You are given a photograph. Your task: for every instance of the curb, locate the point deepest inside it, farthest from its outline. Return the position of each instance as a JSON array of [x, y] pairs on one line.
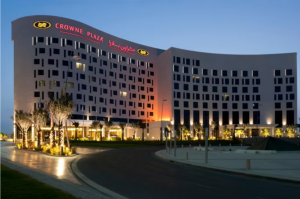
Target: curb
[[91, 183], [157, 153]]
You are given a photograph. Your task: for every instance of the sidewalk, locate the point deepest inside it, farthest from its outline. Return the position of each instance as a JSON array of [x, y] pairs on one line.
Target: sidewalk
[[54, 171], [281, 166]]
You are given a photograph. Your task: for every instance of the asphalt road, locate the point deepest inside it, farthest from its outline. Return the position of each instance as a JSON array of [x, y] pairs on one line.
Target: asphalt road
[[138, 173]]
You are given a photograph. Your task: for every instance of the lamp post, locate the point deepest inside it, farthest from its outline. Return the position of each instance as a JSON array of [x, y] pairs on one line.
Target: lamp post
[[162, 108]]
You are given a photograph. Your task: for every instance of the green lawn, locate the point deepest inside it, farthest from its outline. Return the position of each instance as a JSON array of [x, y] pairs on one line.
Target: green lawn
[[17, 185]]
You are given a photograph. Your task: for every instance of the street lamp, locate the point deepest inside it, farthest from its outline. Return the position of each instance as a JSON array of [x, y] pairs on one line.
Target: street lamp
[[162, 108]]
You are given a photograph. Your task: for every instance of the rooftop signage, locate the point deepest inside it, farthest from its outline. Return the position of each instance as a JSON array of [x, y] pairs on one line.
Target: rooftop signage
[[124, 49], [79, 32], [143, 52], [42, 24]]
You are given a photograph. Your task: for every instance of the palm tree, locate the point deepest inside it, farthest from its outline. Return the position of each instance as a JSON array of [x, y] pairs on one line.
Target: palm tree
[[170, 126], [122, 126], [278, 132], [61, 110], [76, 125], [135, 127], [186, 133], [245, 128], [39, 119], [266, 132], [23, 121], [290, 130], [198, 129], [108, 125], [181, 128], [226, 131]]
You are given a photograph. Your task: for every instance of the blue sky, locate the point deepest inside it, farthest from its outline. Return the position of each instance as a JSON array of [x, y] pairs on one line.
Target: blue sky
[[223, 26]]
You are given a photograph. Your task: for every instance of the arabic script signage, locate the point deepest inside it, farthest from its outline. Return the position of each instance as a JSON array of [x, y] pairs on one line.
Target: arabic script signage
[[124, 49], [42, 24]]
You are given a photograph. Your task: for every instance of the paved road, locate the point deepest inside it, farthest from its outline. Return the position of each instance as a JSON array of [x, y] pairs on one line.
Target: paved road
[[138, 173]]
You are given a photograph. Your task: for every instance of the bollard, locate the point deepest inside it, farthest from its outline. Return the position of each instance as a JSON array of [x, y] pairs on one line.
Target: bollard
[[219, 144], [190, 145], [247, 164], [182, 146], [187, 155]]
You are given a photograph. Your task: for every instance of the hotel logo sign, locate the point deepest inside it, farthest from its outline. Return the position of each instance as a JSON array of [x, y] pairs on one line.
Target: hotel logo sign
[[143, 52], [42, 24]]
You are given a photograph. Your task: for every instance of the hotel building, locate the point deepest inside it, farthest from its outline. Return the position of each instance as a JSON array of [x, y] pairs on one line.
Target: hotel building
[[123, 81]]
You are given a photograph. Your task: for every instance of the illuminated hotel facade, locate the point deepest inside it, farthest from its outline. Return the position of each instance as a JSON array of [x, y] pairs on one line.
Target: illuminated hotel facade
[[122, 81]]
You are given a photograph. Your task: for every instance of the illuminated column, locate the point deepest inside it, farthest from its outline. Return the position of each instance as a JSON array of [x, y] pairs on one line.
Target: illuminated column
[[125, 133], [272, 132], [32, 133], [15, 133], [103, 131], [191, 130]]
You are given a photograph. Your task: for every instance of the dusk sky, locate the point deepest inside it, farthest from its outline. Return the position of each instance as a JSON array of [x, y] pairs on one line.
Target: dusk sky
[[224, 26]]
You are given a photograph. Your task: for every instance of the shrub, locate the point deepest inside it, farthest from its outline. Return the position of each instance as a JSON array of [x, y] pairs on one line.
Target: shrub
[[116, 139], [19, 145]]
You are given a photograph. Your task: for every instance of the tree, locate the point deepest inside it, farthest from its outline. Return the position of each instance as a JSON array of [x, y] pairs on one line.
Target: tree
[[181, 128], [186, 134], [266, 132], [40, 117], [278, 132], [76, 125], [108, 125], [23, 121], [198, 129], [245, 128], [169, 127], [61, 110], [135, 127], [239, 132], [122, 126], [226, 131], [290, 130], [95, 124]]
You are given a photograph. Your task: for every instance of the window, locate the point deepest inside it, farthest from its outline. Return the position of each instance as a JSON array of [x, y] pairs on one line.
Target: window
[[255, 89], [78, 96], [245, 73], [113, 56], [204, 72], [224, 106], [65, 63], [176, 86], [234, 89], [42, 50], [185, 104], [255, 105], [103, 109], [125, 68], [292, 96], [151, 73], [40, 39], [277, 72], [133, 95], [245, 89], [103, 52], [104, 63], [185, 87], [289, 105], [289, 88], [234, 106], [245, 106], [195, 104], [224, 73], [94, 59], [176, 103], [55, 40], [133, 70], [205, 105], [195, 87], [40, 72], [197, 62], [224, 89], [36, 94], [69, 42], [195, 71], [215, 89], [289, 72], [91, 68], [56, 84], [111, 74], [105, 91], [277, 105], [148, 105], [205, 89], [41, 83], [234, 73], [214, 72], [55, 72], [277, 89], [36, 61], [215, 105], [56, 51], [51, 61], [82, 45], [255, 73], [82, 76]]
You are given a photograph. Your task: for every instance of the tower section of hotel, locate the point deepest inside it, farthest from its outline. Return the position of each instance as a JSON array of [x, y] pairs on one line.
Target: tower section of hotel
[[231, 90], [114, 79]]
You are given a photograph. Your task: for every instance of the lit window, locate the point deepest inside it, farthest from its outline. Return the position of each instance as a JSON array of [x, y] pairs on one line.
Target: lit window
[[42, 83], [123, 94]]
